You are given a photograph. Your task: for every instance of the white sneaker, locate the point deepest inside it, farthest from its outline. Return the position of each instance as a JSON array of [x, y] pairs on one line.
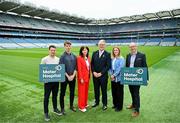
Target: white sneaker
[[87, 106], [83, 110]]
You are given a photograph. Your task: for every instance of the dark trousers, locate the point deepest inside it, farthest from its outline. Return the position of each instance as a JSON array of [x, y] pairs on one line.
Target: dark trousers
[[117, 94], [100, 82], [48, 87], [134, 90], [63, 91]]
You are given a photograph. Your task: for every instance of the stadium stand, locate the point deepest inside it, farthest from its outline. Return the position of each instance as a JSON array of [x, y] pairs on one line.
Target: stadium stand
[[7, 43], [168, 42], [25, 26], [153, 42]]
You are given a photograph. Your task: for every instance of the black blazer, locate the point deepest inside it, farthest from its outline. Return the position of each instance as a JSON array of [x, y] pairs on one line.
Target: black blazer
[[101, 64], [140, 61]]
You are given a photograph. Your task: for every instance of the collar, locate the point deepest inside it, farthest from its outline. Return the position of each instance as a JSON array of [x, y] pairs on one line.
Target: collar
[[51, 56], [134, 53], [67, 53], [101, 51]]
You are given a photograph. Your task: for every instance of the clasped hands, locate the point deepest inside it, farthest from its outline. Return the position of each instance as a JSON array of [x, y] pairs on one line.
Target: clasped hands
[[97, 74], [112, 78], [70, 77]]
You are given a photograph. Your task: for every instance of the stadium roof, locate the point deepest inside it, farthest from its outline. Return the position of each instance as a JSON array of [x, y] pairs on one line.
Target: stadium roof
[[30, 10]]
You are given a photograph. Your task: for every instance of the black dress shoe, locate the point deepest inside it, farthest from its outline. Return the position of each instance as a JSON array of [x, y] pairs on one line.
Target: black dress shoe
[[94, 105], [104, 107], [113, 107], [63, 112], [117, 110], [73, 109]]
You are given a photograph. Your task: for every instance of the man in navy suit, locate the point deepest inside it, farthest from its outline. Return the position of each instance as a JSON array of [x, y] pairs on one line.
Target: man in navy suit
[[100, 63], [135, 59]]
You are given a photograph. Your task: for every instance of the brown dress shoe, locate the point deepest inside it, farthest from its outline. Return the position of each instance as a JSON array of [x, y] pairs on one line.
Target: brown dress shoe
[[135, 114], [130, 107]]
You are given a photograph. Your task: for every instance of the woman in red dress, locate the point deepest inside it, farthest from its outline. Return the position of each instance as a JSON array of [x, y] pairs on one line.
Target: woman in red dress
[[83, 76]]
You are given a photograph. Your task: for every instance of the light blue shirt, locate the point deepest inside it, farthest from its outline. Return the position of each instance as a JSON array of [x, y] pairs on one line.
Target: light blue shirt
[[132, 60], [113, 63]]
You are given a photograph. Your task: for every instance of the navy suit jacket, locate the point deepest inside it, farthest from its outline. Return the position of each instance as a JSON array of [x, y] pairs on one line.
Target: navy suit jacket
[[101, 64]]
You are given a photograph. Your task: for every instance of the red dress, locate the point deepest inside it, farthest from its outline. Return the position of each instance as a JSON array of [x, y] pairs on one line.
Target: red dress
[[83, 72]]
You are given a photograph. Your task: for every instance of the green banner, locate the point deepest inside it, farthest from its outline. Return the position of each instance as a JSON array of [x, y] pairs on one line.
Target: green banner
[[134, 76], [51, 73]]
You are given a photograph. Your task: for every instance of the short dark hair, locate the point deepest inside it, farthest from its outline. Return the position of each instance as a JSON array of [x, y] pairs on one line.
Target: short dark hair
[[52, 46], [67, 42], [81, 49]]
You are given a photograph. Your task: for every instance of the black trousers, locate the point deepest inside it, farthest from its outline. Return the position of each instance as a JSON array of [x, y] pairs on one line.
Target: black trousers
[[100, 82], [63, 91], [117, 94], [134, 90], [48, 88]]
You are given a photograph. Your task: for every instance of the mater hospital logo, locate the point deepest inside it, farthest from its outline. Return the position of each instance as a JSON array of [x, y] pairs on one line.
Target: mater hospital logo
[[58, 67], [140, 71]]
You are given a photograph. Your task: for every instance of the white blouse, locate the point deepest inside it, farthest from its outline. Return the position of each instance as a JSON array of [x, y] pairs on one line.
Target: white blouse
[[87, 63]]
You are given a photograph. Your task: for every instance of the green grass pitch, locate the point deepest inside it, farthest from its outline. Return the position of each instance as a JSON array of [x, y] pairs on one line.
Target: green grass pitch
[[21, 95]]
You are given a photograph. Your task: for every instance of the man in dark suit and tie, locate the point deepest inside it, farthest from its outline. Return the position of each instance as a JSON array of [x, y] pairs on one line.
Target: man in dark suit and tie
[[100, 64], [135, 59]]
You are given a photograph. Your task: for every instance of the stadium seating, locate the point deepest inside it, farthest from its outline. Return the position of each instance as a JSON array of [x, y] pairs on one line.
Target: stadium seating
[[178, 44], [17, 21], [168, 42], [6, 43], [153, 42], [26, 32]]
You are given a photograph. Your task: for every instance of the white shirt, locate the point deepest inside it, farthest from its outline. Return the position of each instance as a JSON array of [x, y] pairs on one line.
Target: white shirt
[[50, 60], [100, 53], [87, 63]]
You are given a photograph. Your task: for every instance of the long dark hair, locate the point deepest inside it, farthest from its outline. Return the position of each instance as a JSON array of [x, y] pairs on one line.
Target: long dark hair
[[81, 49]]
